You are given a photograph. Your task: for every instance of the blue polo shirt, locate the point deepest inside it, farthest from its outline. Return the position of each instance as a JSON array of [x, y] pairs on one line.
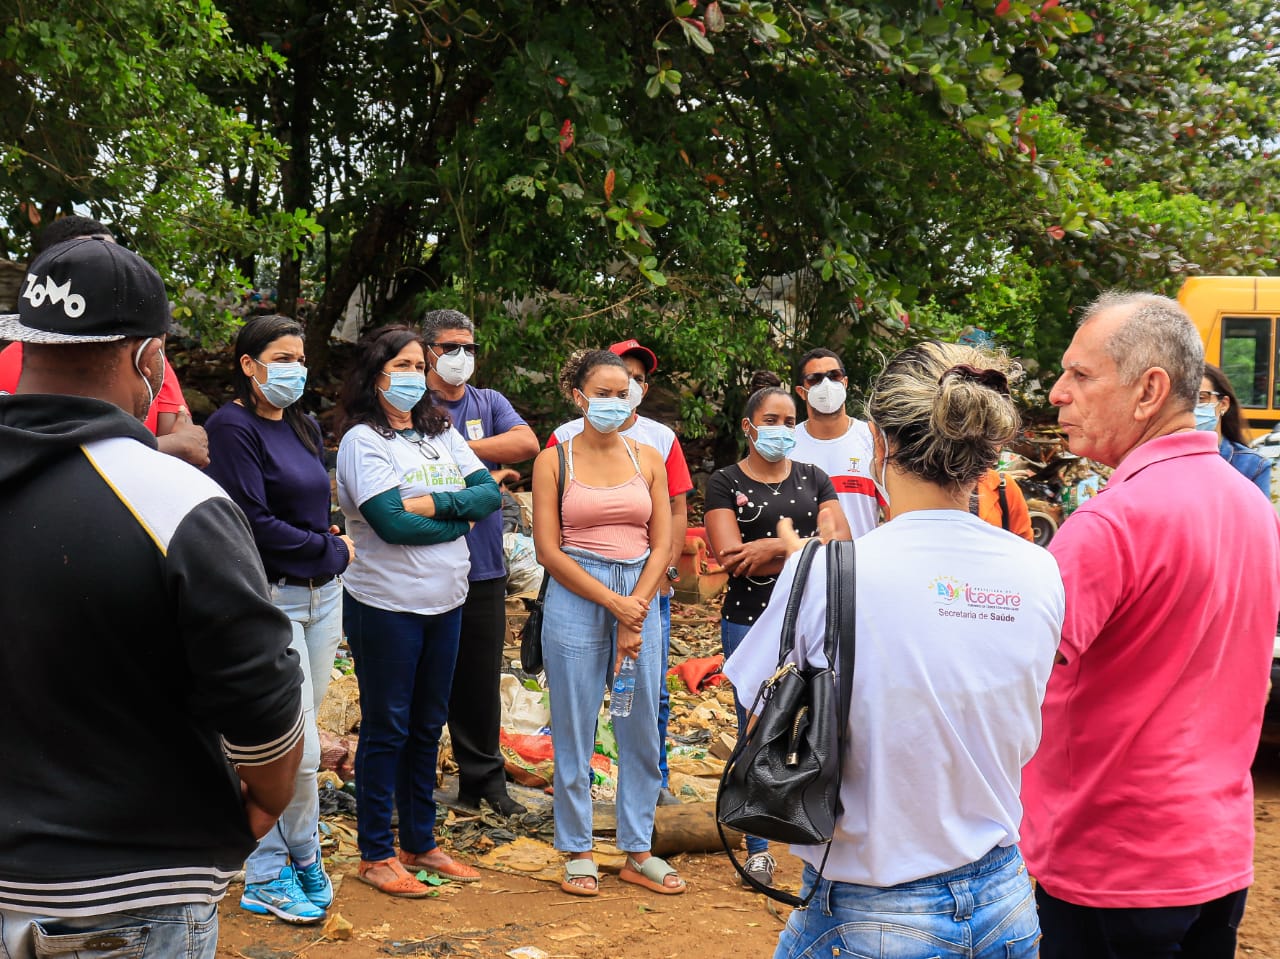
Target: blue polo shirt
[[477, 415]]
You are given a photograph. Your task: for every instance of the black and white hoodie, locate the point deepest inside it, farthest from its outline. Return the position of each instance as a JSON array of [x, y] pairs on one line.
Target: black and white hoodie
[[140, 656]]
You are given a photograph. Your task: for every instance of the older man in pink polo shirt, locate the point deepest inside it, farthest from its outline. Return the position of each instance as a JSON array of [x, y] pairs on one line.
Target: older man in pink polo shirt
[[1139, 803]]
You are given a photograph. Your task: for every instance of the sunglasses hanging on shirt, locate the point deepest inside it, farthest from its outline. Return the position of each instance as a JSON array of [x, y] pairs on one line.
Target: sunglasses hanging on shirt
[[420, 441]]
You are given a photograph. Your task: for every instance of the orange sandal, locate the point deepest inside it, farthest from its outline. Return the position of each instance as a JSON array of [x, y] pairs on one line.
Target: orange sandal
[[401, 885], [445, 866]]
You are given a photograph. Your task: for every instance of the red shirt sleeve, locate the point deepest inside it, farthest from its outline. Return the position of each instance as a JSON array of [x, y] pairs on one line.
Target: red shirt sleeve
[[170, 398], [678, 478], [10, 367]]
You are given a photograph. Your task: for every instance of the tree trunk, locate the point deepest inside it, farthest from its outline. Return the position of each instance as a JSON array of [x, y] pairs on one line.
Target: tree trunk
[[296, 176], [386, 224]]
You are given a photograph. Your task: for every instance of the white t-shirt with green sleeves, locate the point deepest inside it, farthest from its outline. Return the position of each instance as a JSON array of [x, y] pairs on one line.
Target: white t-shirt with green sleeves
[[409, 579]]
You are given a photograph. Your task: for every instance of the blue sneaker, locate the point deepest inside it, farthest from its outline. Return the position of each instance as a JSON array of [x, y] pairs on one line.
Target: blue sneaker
[[281, 897], [315, 884]]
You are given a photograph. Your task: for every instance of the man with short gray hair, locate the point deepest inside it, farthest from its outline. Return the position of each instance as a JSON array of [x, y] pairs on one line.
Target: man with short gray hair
[[497, 434], [1138, 818]]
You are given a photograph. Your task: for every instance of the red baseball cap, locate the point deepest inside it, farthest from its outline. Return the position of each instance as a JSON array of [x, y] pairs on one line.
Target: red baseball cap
[[643, 352]]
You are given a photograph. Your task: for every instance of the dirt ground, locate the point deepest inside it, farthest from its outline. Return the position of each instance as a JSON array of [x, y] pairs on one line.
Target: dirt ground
[[715, 919]]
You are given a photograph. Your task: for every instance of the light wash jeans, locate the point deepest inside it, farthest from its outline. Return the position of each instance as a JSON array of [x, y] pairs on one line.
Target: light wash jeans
[[579, 642], [985, 910], [162, 932], [316, 617], [731, 637]]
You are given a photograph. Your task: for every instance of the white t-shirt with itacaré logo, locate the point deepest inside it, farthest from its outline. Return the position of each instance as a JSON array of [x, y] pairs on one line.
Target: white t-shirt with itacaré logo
[[406, 579], [957, 627], [847, 460]]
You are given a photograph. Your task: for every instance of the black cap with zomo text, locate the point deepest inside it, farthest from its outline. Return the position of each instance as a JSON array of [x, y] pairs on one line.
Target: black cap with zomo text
[[88, 290]]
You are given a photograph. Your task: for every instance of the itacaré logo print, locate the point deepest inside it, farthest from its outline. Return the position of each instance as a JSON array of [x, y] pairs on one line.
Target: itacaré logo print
[[956, 598]]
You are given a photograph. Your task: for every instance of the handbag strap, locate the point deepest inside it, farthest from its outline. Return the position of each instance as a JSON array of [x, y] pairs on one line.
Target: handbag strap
[[841, 638], [560, 485], [787, 642], [542, 589], [840, 635]]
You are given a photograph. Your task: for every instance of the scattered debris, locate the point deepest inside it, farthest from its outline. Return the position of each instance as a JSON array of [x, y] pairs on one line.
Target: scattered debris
[[336, 928]]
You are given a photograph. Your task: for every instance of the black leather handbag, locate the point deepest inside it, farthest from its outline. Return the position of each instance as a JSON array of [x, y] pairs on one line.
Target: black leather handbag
[[531, 632], [782, 782]]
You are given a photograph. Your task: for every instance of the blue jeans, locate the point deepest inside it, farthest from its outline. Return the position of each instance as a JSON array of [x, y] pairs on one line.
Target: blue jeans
[[664, 695], [731, 637], [578, 646], [316, 617], [161, 932], [984, 910], [404, 665]]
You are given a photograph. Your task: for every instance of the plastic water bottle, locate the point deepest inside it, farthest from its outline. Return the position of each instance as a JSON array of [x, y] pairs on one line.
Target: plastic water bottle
[[624, 688]]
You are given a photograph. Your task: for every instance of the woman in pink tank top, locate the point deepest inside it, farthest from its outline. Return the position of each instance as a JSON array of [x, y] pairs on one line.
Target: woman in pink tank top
[[604, 541]]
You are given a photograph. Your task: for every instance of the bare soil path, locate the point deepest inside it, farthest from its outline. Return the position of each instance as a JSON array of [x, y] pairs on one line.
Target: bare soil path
[[716, 919]]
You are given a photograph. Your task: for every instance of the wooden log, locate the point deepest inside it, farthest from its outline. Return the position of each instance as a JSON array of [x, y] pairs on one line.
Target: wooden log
[[687, 827]]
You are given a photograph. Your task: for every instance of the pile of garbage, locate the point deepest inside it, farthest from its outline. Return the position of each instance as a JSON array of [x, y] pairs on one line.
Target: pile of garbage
[[1053, 480], [701, 735]]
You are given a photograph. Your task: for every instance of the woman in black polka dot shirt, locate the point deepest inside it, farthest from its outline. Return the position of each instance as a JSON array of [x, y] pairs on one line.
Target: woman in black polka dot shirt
[[744, 503]]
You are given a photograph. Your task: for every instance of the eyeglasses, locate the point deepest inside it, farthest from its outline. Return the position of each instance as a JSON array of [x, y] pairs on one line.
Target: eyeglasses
[[418, 440], [1207, 396], [813, 379], [455, 349]]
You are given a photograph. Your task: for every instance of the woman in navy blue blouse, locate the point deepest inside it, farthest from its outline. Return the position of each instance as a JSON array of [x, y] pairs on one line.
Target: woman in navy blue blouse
[[1218, 409], [268, 455]]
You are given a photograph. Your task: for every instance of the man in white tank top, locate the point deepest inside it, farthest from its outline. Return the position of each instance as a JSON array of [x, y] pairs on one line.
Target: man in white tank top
[[835, 442]]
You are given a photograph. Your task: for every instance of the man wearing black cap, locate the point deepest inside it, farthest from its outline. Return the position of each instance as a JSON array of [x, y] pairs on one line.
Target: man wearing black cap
[[150, 702], [169, 419], [641, 363]]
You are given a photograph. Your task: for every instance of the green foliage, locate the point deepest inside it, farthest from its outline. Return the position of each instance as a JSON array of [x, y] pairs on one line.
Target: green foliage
[[732, 182], [106, 114]]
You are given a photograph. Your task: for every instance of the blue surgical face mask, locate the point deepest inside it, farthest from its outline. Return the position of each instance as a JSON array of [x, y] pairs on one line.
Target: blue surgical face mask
[[285, 383], [607, 413], [406, 390], [774, 442], [1206, 416]]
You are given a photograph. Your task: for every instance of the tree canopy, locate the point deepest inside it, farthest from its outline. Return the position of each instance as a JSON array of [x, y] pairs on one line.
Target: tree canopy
[[570, 174]]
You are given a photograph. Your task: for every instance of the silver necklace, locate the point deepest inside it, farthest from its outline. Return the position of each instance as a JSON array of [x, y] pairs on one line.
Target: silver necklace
[[775, 487]]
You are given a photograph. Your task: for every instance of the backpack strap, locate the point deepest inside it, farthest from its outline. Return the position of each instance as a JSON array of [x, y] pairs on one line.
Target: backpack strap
[[1004, 504]]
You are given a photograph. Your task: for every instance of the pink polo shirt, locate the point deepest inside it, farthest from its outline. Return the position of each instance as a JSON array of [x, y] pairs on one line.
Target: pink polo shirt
[[1140, 794]]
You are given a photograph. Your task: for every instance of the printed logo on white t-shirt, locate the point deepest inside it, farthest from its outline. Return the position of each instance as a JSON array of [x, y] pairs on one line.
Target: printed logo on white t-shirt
[[957, 598]]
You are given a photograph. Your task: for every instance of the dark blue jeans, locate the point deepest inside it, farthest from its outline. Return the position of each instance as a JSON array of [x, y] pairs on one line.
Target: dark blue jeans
[[664, 696], [1204, 931], [404, 665]]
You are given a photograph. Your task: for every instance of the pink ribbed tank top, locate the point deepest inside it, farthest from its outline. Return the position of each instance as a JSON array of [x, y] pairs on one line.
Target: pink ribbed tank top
[[610, 520]]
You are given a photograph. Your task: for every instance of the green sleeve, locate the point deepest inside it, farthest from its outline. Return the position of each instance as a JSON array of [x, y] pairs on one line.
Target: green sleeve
[[478, 500], [396, 525]]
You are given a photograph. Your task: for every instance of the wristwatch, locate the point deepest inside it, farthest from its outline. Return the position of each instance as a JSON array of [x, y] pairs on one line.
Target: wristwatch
[[673, 574]]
